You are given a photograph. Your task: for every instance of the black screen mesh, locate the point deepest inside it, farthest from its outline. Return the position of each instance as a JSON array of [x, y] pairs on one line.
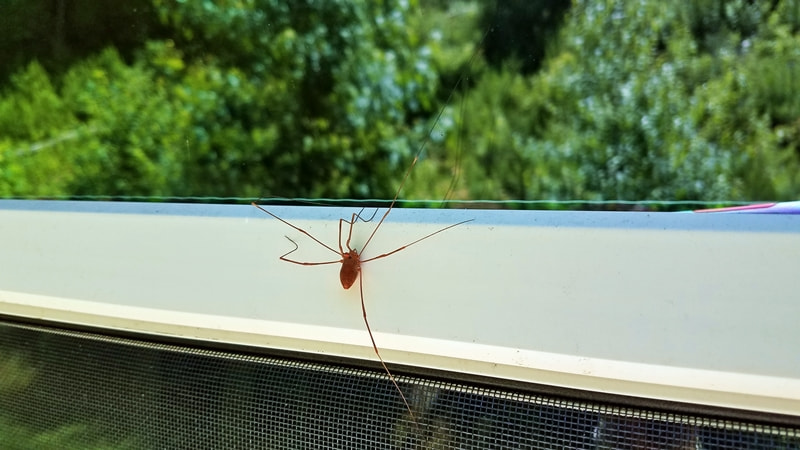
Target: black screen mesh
[[67, 389]]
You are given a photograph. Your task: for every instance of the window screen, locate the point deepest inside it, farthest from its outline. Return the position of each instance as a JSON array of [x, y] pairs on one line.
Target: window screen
[[70, 389]]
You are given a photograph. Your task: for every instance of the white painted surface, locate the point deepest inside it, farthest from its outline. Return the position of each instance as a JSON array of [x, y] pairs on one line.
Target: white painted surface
[[696, 308]]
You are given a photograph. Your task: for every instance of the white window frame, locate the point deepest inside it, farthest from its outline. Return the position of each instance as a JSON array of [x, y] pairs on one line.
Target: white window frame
[[694, 308]]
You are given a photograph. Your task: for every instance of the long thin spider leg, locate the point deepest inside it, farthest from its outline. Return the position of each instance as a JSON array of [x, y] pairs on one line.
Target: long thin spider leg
[[349, 233], [361, 218], [394, 200], [418, 240], [284, 256], [375, 347], [374, 213], [459, 140], [341, 250], [351, 222], [422, 147], [357, 216], [296, 228]]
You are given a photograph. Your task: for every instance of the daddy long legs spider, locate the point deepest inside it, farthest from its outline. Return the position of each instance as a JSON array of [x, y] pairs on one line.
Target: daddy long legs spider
[[351, 261]]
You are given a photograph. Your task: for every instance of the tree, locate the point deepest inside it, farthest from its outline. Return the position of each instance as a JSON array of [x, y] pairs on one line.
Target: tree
[[303, 101], [323, 99], [629, 106]]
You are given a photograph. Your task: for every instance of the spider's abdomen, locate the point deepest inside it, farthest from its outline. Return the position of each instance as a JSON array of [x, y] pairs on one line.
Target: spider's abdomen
[[351, 266]]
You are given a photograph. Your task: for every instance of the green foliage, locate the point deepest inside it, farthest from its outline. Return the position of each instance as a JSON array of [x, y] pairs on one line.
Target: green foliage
[[29, 109], [134, 129], [629, 106], [626, 100], [250, 99], [306, 100], [103, 133], [625, 104]]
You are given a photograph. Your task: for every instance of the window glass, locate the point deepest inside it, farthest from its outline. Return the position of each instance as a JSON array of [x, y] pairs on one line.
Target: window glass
[[539, 103]]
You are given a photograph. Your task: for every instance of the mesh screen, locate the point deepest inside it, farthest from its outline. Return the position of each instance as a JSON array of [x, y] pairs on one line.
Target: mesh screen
[[66, 389]]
